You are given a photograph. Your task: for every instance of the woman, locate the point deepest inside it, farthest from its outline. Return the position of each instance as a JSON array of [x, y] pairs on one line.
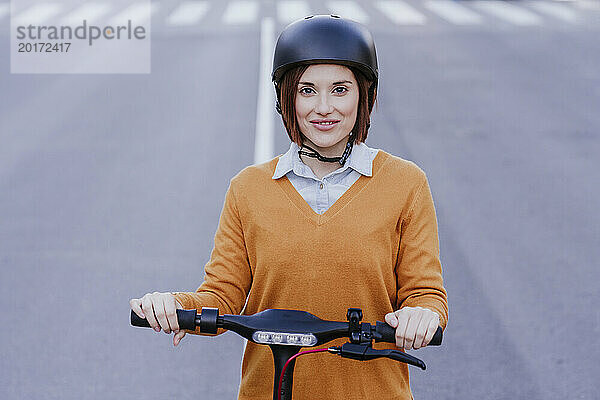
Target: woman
[[328, 225]]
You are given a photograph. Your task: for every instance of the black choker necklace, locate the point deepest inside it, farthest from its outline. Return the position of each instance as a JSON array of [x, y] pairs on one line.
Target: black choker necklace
[[342, 159]]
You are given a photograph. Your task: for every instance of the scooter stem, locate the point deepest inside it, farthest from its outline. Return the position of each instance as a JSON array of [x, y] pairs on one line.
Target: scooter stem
[[281, 354]]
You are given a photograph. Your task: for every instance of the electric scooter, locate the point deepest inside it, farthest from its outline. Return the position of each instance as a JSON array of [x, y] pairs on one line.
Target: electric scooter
[[287, 331]]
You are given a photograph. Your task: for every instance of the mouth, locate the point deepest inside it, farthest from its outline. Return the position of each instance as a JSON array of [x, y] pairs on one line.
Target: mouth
[[324, 125]]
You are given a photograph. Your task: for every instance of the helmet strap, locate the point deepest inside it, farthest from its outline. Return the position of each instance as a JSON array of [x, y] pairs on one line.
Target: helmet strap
[[342, 159]]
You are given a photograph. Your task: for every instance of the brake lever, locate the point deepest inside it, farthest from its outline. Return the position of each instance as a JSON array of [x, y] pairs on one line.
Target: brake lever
[[363, 352]]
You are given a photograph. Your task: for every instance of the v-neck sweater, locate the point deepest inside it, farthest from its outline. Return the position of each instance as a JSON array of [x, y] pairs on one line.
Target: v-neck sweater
[[375, 248], [321, 193]]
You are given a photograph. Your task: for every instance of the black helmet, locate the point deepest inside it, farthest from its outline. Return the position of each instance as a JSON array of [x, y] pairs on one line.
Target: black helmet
[[327, 39]]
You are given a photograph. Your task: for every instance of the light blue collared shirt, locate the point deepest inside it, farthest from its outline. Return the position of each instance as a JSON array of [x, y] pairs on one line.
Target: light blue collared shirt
[[320, 194]]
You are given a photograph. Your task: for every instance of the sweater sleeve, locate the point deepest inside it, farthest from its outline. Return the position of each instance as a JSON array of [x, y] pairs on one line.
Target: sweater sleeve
[[418, 268], [228, 276]]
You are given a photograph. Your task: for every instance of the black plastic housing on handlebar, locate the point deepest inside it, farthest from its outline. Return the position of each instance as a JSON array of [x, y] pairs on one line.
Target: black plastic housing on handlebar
[[388, 334], [185, 318]]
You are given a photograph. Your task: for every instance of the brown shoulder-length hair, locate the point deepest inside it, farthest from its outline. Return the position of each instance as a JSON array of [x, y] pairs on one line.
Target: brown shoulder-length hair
[[288, 88]]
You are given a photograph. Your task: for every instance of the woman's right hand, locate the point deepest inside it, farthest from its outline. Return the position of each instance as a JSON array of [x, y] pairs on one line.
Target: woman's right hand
[[159, 309]]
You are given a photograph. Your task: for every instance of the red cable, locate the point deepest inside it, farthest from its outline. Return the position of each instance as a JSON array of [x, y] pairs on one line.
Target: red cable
[[288, 361]]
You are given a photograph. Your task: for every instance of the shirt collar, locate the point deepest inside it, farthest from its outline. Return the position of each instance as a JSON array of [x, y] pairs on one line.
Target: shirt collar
[[359, 160]]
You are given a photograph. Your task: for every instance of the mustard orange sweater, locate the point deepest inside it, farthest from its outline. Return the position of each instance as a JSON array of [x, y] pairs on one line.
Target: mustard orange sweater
[[376, 248]]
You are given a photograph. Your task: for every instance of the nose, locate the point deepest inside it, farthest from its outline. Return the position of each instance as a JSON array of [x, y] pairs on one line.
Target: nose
[[323, 105]]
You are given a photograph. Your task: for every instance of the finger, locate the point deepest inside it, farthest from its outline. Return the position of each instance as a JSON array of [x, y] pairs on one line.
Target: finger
[[177, 337], [148, 309], [431, 329], [136, 306], [411, 329], [421, 330], [171, 312], [161, 315], [391, 320], [403, 316]]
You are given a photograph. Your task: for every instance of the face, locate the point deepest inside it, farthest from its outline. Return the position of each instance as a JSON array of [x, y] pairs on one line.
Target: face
[[326, 106]]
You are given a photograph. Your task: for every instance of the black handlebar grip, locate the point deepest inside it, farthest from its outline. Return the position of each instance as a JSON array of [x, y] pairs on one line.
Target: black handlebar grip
[[137, 321], [185, 318], [388, 334]]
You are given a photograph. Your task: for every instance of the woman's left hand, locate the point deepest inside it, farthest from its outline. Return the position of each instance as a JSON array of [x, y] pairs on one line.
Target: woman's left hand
[[415, 326]]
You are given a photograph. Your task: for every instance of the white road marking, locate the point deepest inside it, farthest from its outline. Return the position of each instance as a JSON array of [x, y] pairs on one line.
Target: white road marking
[[241, 12], [155, 7], [588, 4], [4, 9], [511, 13], [138, 13], [89, 11], [348, 9], [264, 137], [188, 13], [37, 14], [453, 12], [292, 10], [555, 10], [400, 12]]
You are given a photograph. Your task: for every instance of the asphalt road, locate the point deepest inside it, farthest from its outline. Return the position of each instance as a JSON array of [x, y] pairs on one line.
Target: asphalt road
[[111, 186]]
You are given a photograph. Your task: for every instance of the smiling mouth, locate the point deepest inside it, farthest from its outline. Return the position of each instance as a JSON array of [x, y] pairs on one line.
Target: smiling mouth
[[325, 126], [324, 123]]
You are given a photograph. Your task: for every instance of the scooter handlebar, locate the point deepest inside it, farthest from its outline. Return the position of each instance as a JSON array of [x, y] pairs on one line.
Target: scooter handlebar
[[189, 319], [185, 318], [385, 333]]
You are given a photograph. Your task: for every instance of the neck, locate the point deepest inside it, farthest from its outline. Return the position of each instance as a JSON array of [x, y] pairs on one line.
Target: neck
[[322, 168]]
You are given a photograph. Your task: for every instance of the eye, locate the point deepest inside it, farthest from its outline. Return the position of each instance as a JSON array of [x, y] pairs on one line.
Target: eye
[[302, 90], [344, 90]]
